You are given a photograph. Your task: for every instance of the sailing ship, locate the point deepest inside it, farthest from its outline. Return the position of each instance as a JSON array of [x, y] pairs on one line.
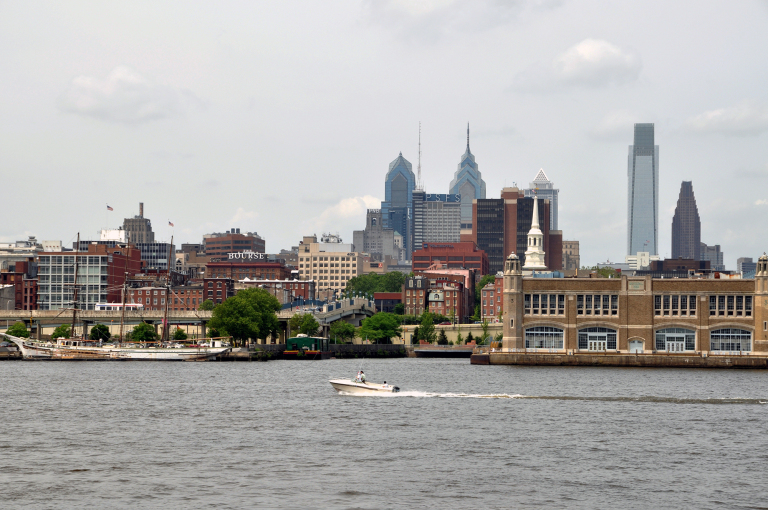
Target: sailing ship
[[78, 349]]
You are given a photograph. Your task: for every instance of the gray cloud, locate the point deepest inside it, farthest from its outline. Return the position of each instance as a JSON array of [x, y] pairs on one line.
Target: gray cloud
[[123, 96], [591, 63], [746, 119]]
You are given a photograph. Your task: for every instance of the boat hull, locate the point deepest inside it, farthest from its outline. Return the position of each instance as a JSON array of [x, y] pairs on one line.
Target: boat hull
[[349, 386], [33, 350]]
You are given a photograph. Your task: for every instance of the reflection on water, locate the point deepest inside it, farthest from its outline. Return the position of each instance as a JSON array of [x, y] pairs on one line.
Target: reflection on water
[[276, 435]]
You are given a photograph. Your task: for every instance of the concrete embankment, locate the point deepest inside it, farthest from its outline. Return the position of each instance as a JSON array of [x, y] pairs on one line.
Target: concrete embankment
[[9, 353], [266, 352], [621, 360]]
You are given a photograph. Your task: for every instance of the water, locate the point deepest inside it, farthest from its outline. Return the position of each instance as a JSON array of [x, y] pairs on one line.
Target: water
[[276, 435]]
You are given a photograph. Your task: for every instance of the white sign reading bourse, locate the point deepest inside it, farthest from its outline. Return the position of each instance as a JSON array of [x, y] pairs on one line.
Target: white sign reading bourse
[[246, 255]]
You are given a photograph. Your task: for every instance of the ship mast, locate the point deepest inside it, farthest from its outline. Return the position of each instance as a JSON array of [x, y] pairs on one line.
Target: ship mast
[[125, 291], [166, 336], [74, 292]]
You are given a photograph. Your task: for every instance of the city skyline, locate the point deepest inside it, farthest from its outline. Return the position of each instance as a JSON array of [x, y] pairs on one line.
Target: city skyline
[[293, 112]]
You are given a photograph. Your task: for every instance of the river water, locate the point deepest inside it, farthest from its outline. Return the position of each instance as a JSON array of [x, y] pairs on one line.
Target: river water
[[276, 435]]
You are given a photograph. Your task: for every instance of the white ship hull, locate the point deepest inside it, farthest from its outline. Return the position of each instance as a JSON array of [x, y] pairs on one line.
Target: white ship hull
[[36, 350], [350, 386]]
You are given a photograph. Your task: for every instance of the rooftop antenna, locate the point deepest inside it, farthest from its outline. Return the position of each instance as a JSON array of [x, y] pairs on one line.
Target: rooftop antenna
[[419, 184]]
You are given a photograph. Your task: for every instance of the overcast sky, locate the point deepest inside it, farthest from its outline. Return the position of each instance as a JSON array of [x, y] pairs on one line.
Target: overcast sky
[[282, 117]]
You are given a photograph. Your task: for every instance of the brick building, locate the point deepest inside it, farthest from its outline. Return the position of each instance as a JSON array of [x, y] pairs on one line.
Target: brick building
[[635, 314], [22, 276], [459, 255], [239, 269], [386, 301], [443, 293], [218, 289], [286, 291], [220, 245], [491, 302]]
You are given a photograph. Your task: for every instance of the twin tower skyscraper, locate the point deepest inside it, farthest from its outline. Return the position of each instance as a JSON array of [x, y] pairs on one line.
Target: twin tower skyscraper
[[400, 183]]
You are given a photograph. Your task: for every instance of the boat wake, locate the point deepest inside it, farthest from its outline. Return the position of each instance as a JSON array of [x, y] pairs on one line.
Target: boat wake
[[640, 399]]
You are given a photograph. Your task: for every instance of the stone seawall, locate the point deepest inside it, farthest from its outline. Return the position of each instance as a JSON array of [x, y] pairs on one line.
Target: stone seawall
[[621, 360], [266, 352]]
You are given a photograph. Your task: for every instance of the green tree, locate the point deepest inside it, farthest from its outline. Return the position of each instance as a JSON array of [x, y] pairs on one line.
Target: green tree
[[484, 325], [341, 330], [485, 280], [63, 331], [380, 327], [604, 272], [19, 330], [373, 282], [251, 313], [427, 328], [442, 339], [416, 335], [179, 334], [304, 323], [399, 309], [476, 317], [206, 306], [470, 337], [143, 332], [99, 332], [459, 338]]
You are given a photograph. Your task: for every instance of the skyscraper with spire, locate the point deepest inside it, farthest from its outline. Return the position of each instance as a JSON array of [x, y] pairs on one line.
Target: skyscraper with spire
[[467, 182], [643, 193], [542, 187], [397, 207], [686, 225]]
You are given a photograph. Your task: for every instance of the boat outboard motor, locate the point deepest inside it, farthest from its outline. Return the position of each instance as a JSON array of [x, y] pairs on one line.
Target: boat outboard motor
[[395, 389]]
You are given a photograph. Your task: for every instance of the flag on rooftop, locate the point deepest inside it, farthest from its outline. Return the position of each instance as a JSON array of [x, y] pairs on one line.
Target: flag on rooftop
[[109, 208]]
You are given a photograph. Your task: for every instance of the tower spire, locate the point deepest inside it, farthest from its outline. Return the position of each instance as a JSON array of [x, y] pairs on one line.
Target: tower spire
[[419, 185], [467, 136]]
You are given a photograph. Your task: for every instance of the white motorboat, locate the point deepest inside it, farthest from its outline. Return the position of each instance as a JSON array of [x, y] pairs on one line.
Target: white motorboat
[[370, 388]]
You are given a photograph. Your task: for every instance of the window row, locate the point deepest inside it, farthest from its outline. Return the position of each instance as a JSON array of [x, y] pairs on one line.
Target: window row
[[730, 306], [672, 305], [597, 304], [667, 339], [544, 304]]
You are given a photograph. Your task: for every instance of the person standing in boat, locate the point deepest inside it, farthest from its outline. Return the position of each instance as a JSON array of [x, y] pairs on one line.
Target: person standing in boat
[[360, 377]]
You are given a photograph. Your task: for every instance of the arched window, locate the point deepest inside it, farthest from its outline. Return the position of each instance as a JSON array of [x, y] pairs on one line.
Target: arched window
[[597, 339], [675, 340], [730, 339], [543, 337]]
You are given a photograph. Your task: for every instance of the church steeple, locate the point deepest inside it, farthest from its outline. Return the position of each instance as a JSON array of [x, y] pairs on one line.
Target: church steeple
[[534, 255]]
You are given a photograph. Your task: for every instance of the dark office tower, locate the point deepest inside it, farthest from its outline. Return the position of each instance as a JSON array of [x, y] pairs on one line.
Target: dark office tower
[[643, 196], [686, 225]]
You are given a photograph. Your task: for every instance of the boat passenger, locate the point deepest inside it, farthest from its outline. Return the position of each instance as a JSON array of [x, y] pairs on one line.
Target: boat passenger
[[362, 377]]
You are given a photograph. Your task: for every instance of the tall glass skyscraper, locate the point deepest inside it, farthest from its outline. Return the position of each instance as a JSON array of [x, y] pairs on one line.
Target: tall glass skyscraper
[[397, 207], [643, 199], [467, 182]]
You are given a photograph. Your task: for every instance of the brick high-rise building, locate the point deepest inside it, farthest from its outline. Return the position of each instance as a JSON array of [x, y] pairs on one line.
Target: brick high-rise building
[[500, 226], [686, 225]]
